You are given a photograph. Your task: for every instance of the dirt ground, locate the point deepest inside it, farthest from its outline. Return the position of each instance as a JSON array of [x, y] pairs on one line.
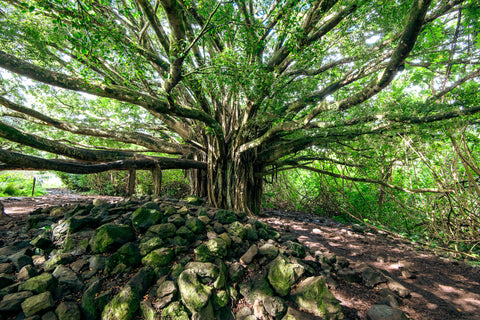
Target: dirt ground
[[441, 289]]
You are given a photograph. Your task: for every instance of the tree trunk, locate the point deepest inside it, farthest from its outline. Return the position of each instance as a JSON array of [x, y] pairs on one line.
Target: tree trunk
[[132, 181], [157, 181], [232, 184]]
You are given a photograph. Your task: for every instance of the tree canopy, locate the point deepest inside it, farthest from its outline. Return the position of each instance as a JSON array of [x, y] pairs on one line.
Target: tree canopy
[[234, 90]]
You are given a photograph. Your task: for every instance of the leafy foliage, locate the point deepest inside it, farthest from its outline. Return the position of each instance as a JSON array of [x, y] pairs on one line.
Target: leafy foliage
[[18, 185]]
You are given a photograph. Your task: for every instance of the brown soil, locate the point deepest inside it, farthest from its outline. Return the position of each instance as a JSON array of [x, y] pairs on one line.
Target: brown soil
[[442, 289]]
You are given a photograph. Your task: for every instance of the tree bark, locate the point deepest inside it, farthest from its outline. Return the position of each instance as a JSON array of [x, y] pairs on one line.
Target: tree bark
[[234, 184], [132, 181], [157, 181]]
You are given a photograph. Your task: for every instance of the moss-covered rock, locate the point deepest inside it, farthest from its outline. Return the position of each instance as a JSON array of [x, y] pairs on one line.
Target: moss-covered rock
[[313, 295], [164, 230], [143, 218], [111, 236], [226, 216], [256, 288], [195, 295], [195, 225], [147, 245], [237, 229], [58, 259], [185, 233], [39, 284], [175, 311], [127, 302], [210, 250], [283, 274], [88, 305], [37, 303], [128, 254], [297, 249], [158, 258], [78, 223], [68, 311], [194, 200]]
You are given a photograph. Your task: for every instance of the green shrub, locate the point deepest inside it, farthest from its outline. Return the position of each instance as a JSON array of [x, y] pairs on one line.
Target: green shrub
[[19, 185]]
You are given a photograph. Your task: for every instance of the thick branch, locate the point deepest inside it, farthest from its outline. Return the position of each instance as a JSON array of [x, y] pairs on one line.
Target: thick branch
[[17, 160]]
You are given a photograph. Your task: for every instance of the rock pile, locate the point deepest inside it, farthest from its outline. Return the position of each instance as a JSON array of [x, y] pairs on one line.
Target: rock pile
[[168, 260]]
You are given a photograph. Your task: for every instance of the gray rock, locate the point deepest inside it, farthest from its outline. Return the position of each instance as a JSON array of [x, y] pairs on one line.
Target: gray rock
[[212, 249], [195, 225], [268, 250], [66, 276], [21, 259], [68, 311], [13, 301], [384, 312], [275, 306], [176, 219], [398, 288], [236, 271], [247, 258], [42, 242], [50, 315], [79, 265], [38, 303], [58, 259], [6, 267], [370, 276], [5, 280], [256, 288], [26, 273], [166, 292], [298, 249]]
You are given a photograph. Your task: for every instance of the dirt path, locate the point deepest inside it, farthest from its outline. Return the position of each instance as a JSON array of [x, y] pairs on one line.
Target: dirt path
[[442, 289]]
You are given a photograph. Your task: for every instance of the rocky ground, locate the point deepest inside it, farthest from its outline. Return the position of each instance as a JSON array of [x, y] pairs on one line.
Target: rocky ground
[[104, 257]]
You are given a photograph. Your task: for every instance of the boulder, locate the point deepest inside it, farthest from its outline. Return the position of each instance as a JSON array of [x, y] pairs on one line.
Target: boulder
[[26, 273], [164, 230], [165, 293], [370, 276], [128, 254], [67, 277], [225, 216], [175, 311], [282, 274], [13, 301], [194, 294], [275, 306], [127, 302], [39, 284], [298, 249], [195, 225], [158, 258], [384, 312], [111, 236], [194, 200], [256, 288], [147, 245], [237, 229], [144, 218], [268, 250], [78, 223], [68, 311], [88, 306], [313, 296], [247, 258], [5, 280], [147, 311], [58, 259], [37, 303], [212, 249]]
